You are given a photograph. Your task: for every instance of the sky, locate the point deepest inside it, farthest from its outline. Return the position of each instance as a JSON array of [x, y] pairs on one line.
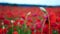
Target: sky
[[33, 2]]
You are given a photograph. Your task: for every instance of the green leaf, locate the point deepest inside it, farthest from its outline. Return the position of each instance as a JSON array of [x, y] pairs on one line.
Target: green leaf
[[20, 30], [10, 31], [55, 32], [24, 26], [29, 31]]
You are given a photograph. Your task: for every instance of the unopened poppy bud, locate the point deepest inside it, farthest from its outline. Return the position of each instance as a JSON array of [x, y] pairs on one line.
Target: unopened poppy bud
[[28, 13], [18, 23], [3, 27], [2, 23], [43, 9], [12, 21]]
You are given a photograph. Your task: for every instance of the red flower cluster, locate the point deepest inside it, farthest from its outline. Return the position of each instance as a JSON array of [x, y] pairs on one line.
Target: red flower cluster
[[30, 23]]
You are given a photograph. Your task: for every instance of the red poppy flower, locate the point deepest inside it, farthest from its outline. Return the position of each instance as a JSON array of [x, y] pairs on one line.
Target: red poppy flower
[[23, 17], [28, 24], [5, 31], [32, 32], [38, 20], [58, 28], [38, 26], [2, 17], [16, 22], [15, 32], [38, 32], [21, 22], [32, 28], [52, 17], [45, 29], [53, 25], [29, 19], [7, 22], [15, 29], [1, 31], [58, 19], [34, 15], [9, 14]]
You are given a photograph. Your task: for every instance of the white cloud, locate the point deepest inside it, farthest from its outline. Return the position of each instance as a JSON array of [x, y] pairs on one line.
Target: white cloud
[[37, 2]]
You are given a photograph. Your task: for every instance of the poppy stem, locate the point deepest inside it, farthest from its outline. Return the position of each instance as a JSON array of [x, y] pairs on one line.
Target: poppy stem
[[44, 10], [43, 26], [49, 23]]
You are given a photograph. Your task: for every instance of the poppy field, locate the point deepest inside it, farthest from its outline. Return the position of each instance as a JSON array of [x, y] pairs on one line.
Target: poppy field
[[29, 20]]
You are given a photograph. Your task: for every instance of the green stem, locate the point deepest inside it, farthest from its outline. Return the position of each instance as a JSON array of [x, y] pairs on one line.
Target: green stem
[[12, 28]]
